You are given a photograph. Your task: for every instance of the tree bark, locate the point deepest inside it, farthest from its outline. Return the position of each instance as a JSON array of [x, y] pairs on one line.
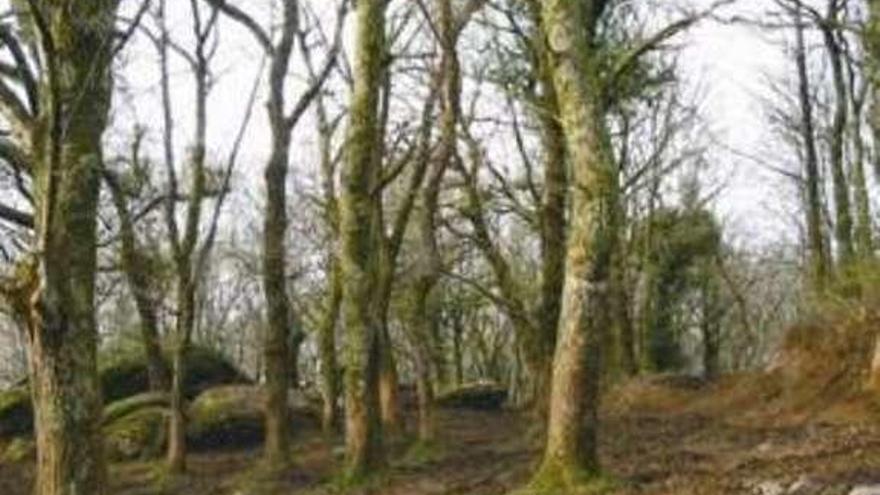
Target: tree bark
[[327, 348], [185, 248], [843, 225], [136, 267], [818, 256], [276, 341], [572, 448], [359, 243], [553, 223], [76, 91]]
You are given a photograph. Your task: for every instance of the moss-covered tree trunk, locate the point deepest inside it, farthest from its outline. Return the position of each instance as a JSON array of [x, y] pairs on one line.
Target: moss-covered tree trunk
[[333, 297], [185, 304], [359, 240], [553, 223], [276, 341], [571, 448], [136, 267], [327, 348], [77, 44]]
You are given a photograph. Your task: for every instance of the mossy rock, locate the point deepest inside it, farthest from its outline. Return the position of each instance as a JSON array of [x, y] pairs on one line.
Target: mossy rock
[[123, 374], [477, 396], [16, 412], [18, 450], [141, 434], [232, 417], [124, 407]]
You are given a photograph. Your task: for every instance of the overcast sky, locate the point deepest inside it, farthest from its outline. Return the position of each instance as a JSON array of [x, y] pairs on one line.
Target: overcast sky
[[729, 63]]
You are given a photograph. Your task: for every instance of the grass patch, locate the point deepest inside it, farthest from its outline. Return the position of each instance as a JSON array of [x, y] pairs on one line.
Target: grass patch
[[554, 479], [421, 453]]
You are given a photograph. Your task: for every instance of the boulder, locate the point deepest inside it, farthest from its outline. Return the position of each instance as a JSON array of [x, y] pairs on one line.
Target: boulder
[[16, 413], [18, 450], [139, 434], [478, 396], [124, 407], [123, 375], [230, 417]]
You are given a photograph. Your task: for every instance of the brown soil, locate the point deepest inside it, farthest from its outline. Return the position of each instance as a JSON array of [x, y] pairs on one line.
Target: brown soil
[[660, 437]]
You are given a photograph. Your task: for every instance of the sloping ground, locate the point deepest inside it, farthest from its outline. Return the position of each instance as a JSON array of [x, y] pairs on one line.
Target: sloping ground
[[663, 435]]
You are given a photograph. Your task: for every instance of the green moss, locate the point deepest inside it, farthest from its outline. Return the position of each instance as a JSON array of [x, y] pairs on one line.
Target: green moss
[[124, 372], [16, 412], [18, 450], [555, 479], [346, 483], [139, 435], [226, 417], [422, 453], [129, 405]]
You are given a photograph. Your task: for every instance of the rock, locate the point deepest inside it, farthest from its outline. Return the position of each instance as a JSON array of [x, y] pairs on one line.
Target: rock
[[140, 434], [16, 413], [123, 374], [765, 447], [805, 485], [769, 488], [18, 450], [479, 396], [129, 405], [232, 417], [865, 490]]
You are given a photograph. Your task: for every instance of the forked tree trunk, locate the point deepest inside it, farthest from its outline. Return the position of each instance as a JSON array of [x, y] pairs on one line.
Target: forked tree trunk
[[359, 242]]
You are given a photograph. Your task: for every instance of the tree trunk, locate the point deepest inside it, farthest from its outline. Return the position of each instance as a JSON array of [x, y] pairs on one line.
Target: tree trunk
[[818, 256], [553, 226], [327, 349], [843, 225], [864, 226], [359, 243], [276, 343], [66, 140], [276, 340], [177, 448], [571, 449], [457, 357], [136, 267], [623, 324]]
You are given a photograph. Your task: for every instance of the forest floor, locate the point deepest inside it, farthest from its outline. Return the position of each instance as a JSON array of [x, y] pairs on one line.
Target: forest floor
[[672, 437]]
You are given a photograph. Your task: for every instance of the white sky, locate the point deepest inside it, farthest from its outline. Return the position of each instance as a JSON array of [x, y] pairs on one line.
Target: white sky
[[729, 63]]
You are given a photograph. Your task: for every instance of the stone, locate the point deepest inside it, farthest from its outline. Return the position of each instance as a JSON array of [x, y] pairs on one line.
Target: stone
[[865, 490], [769, 488]]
